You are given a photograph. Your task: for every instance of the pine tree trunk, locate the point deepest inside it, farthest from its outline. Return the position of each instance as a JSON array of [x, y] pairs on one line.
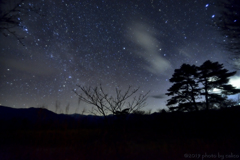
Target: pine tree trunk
[[206, 94], [193, 98], [206, 97], [195, 105]]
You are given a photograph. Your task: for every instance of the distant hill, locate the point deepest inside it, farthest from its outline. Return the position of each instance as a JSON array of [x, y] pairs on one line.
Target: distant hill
[[31, 117], [34, 114], [25, 117], [8, 113]]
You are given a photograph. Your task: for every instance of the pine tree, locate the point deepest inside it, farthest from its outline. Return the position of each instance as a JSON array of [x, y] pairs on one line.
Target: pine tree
[[212, 76], [191, 83], [185, 89]]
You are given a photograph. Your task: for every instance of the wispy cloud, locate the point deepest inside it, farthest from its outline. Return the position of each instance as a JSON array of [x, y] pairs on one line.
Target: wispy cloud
[[160, 96], [235, 81], [28, 66], [145, 39], [237, 62]]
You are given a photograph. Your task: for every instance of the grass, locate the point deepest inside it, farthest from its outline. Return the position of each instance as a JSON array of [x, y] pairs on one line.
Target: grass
[[168, 136], [106, 144]]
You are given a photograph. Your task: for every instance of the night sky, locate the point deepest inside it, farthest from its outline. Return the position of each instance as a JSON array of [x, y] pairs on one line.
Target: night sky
[[113, 42]]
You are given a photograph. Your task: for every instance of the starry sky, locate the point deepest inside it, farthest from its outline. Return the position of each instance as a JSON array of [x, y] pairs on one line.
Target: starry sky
[[113, 42]]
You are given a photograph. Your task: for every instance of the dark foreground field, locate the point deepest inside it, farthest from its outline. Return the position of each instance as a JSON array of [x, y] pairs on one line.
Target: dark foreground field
[[199, 135]]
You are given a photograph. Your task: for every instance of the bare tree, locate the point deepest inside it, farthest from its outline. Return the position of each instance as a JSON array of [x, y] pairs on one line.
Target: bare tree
[[228, 24], [104, 104], [11, 17]]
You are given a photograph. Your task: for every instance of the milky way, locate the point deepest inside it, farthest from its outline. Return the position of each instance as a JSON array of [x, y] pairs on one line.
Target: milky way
[[115, 43]]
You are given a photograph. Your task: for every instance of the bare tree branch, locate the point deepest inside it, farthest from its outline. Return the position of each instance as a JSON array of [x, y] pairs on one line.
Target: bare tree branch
[[105, 104], [10, 17]]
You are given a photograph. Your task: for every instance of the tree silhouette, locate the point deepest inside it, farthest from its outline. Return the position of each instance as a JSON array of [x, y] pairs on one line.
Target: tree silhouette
[[228, 24], [11, 17], [212, 76], [238, 99], [122, 113], [185, 89], [105, 104], [192, 82]]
